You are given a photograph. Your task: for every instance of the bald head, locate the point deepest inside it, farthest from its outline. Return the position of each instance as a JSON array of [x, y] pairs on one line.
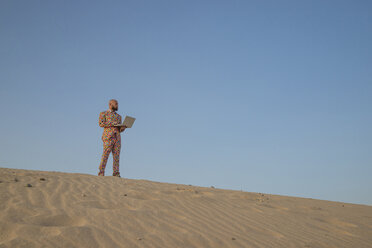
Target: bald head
[[113, 105]]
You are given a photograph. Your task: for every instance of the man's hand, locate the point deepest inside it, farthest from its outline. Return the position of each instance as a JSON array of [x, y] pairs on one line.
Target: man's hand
[[122, 128]]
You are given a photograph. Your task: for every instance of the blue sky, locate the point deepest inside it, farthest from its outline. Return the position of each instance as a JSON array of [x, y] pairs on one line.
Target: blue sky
[[260, 96]]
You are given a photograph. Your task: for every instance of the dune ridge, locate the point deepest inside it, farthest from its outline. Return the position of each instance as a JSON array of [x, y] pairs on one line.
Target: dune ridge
[[57, 209]]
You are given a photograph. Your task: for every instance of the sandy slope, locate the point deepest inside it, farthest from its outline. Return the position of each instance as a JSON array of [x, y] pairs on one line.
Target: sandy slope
[[80, 210]]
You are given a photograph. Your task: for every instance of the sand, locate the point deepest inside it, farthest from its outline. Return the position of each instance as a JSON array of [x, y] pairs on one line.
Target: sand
[[55, 209]]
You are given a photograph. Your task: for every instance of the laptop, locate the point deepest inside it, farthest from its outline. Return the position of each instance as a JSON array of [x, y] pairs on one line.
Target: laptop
[[128, 122]]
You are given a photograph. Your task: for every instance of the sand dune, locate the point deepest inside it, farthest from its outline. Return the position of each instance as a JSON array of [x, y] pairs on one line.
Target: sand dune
[[55, 209]]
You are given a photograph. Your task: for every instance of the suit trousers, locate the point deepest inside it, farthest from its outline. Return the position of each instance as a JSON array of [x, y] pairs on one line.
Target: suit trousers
[[113, 145]]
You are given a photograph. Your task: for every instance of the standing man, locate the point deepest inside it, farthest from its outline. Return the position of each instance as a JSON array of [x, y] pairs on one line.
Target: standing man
[[110, 137]]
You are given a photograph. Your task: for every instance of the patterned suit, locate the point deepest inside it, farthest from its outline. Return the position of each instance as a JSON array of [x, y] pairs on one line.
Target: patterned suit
[[111, 140]]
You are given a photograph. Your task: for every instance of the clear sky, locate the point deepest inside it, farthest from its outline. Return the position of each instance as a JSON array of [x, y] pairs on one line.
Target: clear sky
[[259, 96]]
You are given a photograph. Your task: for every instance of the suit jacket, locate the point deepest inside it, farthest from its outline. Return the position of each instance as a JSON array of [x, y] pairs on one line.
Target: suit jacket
[[107, 119]]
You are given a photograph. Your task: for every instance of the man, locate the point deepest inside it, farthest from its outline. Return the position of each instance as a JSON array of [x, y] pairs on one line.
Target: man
[[110, 137]]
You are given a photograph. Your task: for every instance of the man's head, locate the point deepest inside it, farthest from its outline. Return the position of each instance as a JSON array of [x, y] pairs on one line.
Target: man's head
[[113, 105]]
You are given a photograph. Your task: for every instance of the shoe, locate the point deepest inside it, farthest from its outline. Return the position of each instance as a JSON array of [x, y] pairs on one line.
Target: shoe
[[117, 175], [101, 173]]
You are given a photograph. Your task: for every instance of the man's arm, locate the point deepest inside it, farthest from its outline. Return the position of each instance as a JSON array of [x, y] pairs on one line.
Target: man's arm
[[102, 120]]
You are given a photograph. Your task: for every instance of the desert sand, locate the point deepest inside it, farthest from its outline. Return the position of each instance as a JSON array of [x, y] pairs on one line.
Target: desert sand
[[56, 209]]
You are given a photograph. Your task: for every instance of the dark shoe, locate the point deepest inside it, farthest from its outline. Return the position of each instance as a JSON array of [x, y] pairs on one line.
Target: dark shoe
[[116, 175], [101, 173]]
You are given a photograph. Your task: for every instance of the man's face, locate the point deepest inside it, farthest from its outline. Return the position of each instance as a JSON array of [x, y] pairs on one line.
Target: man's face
[[114, 106]]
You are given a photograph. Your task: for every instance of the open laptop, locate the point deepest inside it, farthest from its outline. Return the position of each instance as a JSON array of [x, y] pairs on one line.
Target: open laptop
[[128, 122]]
